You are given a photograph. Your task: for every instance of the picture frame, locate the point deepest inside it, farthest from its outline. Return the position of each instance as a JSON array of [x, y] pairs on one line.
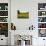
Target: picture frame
[[42, 33], [22, 15]]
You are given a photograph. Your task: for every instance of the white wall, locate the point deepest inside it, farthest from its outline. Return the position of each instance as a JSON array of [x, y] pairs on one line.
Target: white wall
[[23, 24]]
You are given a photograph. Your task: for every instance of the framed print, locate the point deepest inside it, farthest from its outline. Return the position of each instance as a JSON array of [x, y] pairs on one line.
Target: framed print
[[22, 15]]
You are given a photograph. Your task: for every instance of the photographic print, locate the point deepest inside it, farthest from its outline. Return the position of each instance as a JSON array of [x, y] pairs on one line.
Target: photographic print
[[22, 15], [42, 32]]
